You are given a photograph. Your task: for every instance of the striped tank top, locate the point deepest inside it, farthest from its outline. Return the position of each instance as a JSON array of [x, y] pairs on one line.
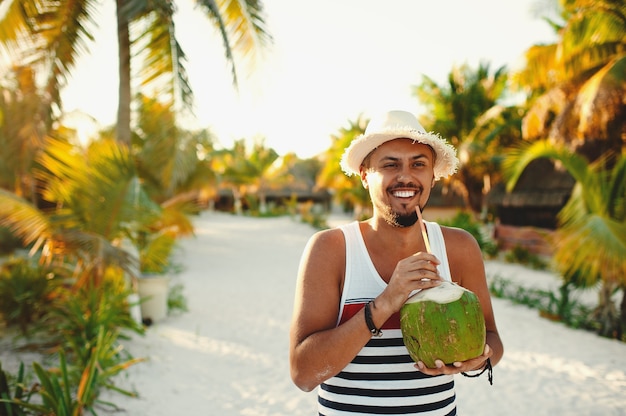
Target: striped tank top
[[382, 378]]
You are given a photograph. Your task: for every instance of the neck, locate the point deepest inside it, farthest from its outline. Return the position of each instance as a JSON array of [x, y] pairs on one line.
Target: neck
[[401, 238]]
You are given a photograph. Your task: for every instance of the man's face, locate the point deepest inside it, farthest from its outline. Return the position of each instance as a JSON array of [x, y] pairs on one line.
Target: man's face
[[399, 175]]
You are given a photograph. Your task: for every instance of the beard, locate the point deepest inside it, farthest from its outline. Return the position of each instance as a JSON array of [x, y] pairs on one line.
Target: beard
[[400, 220]]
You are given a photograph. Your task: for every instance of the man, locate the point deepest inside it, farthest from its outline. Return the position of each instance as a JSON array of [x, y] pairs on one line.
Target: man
[[353, 280]]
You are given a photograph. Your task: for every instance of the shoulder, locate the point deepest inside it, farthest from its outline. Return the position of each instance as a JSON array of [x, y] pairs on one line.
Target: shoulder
[[323, 262], [330, 238], [326, 245], [458, 236], [464, 256]]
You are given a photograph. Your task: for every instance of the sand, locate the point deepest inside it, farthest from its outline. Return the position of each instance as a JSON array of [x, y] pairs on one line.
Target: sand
[[228, 355]]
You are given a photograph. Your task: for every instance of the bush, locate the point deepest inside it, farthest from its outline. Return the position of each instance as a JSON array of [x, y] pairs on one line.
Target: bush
[[313, 214], [8, 398], [465, 221], [8, 241], [555, 306], [523, 256], [66, 389], [86, 324], [176, 300], [26, 292], [81, 313]]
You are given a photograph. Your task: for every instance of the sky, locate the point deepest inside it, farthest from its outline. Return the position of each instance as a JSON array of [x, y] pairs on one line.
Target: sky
[[330, 62]]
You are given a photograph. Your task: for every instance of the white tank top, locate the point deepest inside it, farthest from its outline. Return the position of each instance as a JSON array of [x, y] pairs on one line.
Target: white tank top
[[382, 378]]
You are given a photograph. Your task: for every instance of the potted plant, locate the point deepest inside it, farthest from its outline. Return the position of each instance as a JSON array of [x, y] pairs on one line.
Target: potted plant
[[155, 265], [155, 242]]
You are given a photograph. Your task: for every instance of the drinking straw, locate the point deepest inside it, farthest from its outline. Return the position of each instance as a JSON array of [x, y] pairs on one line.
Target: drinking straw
[[423, 227]]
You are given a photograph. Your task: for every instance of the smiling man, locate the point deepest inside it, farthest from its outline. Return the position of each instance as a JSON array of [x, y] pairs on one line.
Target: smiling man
[[353, 280]]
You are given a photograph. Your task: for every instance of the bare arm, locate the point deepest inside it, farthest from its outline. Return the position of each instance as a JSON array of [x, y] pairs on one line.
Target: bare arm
[[318, 348], [468, 270]]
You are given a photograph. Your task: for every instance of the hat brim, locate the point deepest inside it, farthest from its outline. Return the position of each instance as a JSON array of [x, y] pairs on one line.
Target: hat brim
[[446, 162]]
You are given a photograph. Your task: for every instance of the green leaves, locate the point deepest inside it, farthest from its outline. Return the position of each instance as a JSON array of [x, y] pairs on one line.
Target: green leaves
[[26, 292], [520, 157], [591, 239], [9, 406], [68, 390]]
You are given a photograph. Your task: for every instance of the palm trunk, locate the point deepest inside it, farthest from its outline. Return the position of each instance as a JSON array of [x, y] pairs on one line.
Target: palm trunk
[[237, 196], [123, 109], [262, 203], [622, 329], [606, 312]]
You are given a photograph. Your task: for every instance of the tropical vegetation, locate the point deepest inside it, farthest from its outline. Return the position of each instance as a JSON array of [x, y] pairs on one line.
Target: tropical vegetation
[[348, 190], [576, 85], [75, 208], [469, 111], [577, 117], [591, 239]]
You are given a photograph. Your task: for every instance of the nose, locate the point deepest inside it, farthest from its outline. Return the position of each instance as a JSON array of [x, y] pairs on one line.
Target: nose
[[403, 176]]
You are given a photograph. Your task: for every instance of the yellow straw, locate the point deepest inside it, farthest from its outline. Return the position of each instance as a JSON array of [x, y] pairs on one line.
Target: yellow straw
[[423, 227]]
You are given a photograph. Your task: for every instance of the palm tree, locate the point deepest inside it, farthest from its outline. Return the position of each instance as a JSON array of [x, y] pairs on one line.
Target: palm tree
[[262, 160], [348, 189], [576, 85], [171, 161], [50, 35], [467, 111], [246, 170], [591, 238], [481, 152]]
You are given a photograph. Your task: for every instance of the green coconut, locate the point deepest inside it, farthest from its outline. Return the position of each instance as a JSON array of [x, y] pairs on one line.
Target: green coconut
[[444, 323]]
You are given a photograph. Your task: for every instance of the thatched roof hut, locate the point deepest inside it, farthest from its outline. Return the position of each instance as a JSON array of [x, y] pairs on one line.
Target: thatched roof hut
[[539, 195]]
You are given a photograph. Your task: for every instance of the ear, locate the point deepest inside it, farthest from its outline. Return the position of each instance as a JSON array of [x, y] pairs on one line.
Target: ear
[[363, 174], [432, 185]]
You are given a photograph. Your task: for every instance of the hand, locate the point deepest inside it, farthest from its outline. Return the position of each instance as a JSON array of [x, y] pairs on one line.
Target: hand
[[418, 271], [457, 367]]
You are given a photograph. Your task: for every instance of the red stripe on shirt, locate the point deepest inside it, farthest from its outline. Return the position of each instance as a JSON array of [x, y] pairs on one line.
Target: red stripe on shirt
[[352, 309]]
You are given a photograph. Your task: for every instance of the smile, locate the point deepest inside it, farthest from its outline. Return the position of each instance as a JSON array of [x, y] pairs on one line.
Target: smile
[[404, 194]]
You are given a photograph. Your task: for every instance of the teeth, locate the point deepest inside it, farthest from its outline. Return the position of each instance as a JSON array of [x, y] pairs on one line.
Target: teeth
[[404, 194]]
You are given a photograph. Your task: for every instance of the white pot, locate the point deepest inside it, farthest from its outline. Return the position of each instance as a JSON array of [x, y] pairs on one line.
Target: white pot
[[135, 309], [153, 291]]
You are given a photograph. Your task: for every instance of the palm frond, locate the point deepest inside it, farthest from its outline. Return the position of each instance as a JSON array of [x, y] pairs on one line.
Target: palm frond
[[163, 59], [50, 35], [519, 158], [93, 251], [592, 247], [242, 27], [24, 219]]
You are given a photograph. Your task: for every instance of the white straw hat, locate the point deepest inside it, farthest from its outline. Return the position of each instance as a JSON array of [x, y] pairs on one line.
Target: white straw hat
[[398, 125]]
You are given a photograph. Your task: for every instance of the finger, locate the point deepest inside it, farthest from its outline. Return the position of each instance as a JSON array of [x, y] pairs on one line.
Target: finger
[[426, 257], [427, 283], [423, 270], [427, 275]]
